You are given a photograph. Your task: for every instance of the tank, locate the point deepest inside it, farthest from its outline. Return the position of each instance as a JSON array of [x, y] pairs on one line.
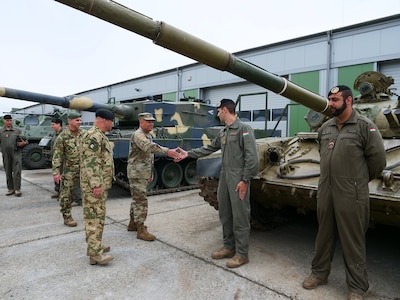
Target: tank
[[187, 124], [289, 167]]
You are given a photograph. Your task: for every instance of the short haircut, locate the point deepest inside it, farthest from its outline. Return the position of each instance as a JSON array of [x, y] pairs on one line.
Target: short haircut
[[57, 121]]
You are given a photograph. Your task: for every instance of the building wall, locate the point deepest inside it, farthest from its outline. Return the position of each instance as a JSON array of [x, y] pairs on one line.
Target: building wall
[[316, 62]]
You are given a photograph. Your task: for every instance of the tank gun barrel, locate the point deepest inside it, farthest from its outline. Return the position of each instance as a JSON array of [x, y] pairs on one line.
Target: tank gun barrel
[[72, 102], [195, 48]]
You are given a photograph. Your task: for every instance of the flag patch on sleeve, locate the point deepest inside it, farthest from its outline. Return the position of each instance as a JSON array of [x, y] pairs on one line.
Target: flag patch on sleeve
[[372, 129], [245, 133]]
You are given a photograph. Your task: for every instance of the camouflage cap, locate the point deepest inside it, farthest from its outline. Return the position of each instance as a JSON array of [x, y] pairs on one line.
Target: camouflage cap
[[338, 88], [74, 115], [146, 116]]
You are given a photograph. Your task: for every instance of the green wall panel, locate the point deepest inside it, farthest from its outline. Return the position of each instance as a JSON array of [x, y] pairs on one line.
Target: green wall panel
[[310, 81], [347, 75]]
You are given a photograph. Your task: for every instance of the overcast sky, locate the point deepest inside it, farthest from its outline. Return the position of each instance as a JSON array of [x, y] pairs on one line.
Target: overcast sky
[[50, 48]]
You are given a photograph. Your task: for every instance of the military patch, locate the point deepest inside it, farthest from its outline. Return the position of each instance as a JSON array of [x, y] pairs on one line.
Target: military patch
[[94, 145], [334, 90]]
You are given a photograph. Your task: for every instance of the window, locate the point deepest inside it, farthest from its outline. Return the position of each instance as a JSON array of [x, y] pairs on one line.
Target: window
[[276, 113], [245, 116]]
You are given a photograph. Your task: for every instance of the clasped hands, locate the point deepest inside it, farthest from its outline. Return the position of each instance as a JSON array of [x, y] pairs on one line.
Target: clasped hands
[[177, 154]]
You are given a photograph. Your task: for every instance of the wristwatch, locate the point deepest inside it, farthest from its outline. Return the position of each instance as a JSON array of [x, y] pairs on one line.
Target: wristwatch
[[246, 181]]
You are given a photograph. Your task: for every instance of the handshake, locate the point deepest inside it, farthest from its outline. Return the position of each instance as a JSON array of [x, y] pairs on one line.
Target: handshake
[[177, 154]]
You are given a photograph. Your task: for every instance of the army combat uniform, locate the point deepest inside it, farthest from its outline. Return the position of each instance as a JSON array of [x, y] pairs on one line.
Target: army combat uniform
[[66, 162], [350, 158], [139, 170], [239, 162], [76, 192], [97, 170], [12, 158]]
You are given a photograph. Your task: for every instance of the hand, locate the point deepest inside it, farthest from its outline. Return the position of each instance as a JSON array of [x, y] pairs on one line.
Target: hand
[[22, 143], [241, 187], [57, 178], [173, 153], [182, 154], [97, 191]]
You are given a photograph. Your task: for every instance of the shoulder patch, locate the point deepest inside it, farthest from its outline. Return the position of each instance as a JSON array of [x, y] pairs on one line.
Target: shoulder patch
[[93, 145]]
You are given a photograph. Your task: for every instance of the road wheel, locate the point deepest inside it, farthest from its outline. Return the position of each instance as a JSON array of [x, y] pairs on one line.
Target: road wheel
[[32, 157], [189, 173], [171, 175]]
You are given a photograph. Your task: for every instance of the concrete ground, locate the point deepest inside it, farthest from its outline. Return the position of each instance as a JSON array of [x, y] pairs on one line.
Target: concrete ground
[[40, 258]]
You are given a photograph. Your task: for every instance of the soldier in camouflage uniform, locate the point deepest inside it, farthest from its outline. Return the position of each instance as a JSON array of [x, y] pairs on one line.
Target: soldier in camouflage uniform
[[11, 142], [65, 163], [97, 174], [139, 170], [56, 124]]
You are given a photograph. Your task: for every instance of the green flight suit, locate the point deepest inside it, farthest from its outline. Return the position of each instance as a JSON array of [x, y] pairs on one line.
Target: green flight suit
[[12, 157], [350, 158], [239, 161]]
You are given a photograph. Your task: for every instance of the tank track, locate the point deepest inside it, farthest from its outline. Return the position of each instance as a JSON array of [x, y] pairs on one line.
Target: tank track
[[123, 184], [208, 190]]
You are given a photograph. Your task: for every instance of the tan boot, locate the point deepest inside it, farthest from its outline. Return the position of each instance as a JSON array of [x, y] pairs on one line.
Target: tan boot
[[143, 234], [69, 221], [101, 259], [132, 225], [10, 192], [105, 249]]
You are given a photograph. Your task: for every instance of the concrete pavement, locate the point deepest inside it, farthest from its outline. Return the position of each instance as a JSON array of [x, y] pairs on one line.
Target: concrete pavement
[[40, 258]]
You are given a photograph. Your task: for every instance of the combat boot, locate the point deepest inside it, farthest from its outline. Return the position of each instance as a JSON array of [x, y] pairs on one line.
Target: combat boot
[[143, 234], [132, 225], [101, 259], [69, 221], [105, 249], [10, 192]]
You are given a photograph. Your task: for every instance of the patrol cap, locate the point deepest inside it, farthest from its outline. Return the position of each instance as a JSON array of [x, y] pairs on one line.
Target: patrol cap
[[74, 115], [146, 116], [225, 102], [7, 117], [339, 88], [105, 114]]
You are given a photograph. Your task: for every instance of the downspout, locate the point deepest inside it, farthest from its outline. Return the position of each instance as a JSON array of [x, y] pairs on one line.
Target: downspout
[[179, 84], [328, 60]]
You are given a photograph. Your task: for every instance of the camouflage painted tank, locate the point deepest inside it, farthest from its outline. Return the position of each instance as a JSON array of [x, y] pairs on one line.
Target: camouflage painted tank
[[187, 124], [283, 178]]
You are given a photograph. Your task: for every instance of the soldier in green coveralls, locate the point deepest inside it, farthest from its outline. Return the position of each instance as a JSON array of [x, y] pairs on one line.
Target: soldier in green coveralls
[[97, 175], [352, 153], [11, 142], [239, 164]]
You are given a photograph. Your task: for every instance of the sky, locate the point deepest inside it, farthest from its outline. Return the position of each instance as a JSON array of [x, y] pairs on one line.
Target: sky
[[50, 48]]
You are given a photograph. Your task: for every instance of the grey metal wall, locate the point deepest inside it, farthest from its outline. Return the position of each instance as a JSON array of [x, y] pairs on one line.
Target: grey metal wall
[[369, 42]]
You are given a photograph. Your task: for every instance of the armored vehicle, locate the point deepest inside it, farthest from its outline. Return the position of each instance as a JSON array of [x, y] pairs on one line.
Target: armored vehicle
[[283, 178], [187, 124], [289, 167], [34, 128]]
